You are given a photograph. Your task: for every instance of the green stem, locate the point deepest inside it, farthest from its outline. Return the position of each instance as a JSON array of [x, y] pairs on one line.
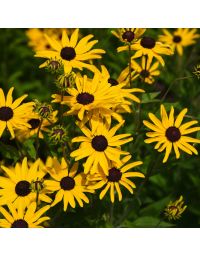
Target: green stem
[[61, 108], [37, 138]]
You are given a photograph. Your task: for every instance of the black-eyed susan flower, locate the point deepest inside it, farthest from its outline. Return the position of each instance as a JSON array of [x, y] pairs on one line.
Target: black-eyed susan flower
[[175, 209], [100, 145], [68, 185], [118, 174], [23, 218], [128, 35], [34, 120], [179, 38], [146, 71], [12, 114], [170, 133], [16, 187], [149, 47], [72, 53], [90, 97]]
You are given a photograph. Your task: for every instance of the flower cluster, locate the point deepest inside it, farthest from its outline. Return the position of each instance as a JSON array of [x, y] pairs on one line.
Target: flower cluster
[[85, 124]]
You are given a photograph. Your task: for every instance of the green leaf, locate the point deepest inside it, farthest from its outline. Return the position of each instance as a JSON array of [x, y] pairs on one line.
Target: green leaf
[[9, 151], [155, 208], [30, 148], [150, 222]]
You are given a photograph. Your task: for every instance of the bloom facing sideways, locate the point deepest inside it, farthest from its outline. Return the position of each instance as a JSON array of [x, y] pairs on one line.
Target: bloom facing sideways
[[12, 114], [67, 184], [72, 53], [170, 133], [174, 210], [16, 188], [145, 71], [180, 38], [100, 145], [117, 175], [23, 218]]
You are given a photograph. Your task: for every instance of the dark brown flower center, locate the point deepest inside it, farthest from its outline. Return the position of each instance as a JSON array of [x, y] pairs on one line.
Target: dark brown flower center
[[144, 73], [99, 143], [112, 81], [22, 188], [177, 39], [6, 113], [67, 183], [85, 98], [148, 42], [34, 123], [114, 175], [173, 134], [19, 224], [68, 53], [128, 36]]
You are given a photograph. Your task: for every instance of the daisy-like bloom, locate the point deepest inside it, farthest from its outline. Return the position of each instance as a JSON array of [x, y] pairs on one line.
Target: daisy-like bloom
[[17, 187], [146, 71], [175, 209], [179, 38], [99, 145], [149, 47], [128, 35], [72, 53], [12, 114], [90, 97], [67, 184], [170, 133], [23, 218], [117, 174], [34, 121]]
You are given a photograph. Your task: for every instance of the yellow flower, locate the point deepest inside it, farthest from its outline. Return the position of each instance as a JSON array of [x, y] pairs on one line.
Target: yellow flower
[[72, 53], [175, 209], [170, 133], [116, 175], [128, 35], [67, 184], [16, 187], [12, 114], [90, 97], [100, 145], [145, 71], [149, 47], [23, 218], [34, 121], [180, 38]]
